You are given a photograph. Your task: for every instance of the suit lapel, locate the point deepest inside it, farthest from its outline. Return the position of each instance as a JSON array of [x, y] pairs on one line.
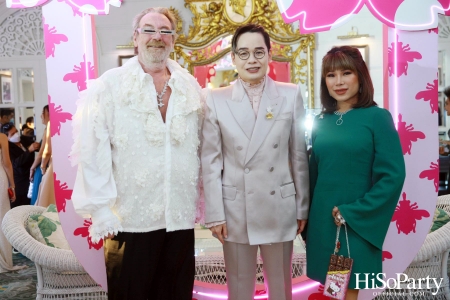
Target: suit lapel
[[241, 109], [270, 98]]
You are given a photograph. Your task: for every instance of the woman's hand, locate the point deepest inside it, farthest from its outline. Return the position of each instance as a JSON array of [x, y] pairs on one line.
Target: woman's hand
[[220, 232], [338, 219], [13, 198], [32, 170]]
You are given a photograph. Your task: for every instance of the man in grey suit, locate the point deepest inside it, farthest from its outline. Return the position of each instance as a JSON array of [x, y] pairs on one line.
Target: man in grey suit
[[255, 169]]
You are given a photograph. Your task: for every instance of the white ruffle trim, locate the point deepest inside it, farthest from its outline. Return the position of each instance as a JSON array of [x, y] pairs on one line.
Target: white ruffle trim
[[104, 222]]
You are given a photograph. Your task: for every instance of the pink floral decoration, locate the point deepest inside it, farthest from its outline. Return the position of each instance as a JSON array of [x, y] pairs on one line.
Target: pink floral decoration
[[84, 232], [432, 174], [407, 135], [404, 57], [387, 255], [79, 74], [322, 15], [62, 194], [57, 116], [52, 39], [430, 94], [93, 7], [407, 214]]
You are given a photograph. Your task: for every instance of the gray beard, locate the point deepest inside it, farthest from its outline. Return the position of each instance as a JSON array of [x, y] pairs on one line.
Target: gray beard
[[152, 58]]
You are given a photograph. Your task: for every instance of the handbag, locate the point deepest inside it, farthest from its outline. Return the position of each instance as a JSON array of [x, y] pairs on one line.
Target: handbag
[[339, 271]]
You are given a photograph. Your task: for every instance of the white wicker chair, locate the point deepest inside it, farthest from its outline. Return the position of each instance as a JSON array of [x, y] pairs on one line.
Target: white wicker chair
[[432, 260], [59, 274]]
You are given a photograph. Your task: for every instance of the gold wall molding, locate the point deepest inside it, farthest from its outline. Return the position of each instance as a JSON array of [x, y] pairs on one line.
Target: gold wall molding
[[214, 20]]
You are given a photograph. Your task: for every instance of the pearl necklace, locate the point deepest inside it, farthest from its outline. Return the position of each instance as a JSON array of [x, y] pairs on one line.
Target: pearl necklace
[[340, 114]]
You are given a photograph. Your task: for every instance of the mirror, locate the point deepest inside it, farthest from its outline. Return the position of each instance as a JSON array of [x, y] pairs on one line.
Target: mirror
[[6, 86]]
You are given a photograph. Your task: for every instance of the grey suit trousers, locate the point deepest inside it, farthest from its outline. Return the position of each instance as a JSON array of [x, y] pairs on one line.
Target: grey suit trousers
[[240, 262]]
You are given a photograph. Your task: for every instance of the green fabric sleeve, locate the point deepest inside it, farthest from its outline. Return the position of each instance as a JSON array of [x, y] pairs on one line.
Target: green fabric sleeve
[[313, 167], [370, 215]]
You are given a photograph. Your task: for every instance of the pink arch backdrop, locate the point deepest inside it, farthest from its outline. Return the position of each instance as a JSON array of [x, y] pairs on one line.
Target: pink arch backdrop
[[410, 93]]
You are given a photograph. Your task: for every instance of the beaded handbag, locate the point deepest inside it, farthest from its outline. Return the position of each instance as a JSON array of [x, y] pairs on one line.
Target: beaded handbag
[[339, 271]]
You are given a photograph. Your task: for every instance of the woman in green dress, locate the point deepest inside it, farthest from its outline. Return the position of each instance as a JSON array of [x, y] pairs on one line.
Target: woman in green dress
[[356, 169]]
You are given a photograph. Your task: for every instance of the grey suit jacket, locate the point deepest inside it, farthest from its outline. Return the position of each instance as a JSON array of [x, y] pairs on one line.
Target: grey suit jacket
[[255, 170]]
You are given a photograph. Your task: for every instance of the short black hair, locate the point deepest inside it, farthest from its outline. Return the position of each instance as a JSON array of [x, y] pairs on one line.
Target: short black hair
[[29, 120], [5, 112], [447, 92], [45, 109], [250, 28]]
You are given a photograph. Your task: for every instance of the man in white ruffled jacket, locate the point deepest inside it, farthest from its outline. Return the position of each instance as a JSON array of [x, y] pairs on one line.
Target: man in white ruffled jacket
[[136, 145]]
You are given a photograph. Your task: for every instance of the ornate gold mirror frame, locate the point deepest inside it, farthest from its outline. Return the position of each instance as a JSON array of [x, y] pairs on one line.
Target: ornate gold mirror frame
[[214, 20]]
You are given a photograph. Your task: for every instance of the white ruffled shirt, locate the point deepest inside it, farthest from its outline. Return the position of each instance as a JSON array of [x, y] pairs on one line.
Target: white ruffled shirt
[[135, 172]]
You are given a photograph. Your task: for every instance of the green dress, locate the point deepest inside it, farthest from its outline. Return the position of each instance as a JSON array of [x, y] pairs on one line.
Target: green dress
[[357, 166]]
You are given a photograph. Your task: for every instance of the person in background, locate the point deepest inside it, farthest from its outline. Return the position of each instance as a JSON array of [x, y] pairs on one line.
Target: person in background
[[6, 115], [35, 170], [46, 194], [357, 170], [138, 180], [6, 181], [22, 156], [445, 144], [255, 169]]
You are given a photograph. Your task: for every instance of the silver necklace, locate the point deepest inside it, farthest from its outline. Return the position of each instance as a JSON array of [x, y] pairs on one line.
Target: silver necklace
[[160, 96], [340, 114]]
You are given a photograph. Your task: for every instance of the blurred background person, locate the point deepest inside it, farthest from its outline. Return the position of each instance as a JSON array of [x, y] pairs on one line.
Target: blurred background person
[[6, 115], [46, 195], [6, 181], [35, 170], [21, 154]]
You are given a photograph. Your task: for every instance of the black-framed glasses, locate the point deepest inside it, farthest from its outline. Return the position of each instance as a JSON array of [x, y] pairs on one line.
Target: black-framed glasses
[[152, 31], [244, 54]]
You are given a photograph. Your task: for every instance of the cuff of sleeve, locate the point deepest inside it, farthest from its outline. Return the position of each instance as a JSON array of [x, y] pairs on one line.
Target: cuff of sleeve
[[104, 222], [209, 225]]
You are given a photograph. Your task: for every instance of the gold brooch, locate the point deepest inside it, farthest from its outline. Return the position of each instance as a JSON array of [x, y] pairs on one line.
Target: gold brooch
[[269, 114]]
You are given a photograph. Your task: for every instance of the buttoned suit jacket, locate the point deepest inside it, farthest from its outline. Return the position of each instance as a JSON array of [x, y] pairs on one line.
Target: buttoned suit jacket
[[255, 170]]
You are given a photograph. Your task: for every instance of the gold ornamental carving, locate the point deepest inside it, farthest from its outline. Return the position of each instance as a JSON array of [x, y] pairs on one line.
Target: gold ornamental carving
[[215, 20]]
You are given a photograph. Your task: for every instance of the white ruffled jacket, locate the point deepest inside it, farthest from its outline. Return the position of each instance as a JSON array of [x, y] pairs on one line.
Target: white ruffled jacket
[[135, 172]]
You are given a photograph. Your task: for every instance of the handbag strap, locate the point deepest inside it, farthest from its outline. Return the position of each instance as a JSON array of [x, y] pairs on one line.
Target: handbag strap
[[337, 239]]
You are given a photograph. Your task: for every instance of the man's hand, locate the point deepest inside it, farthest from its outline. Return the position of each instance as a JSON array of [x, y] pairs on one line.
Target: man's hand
[[109, 236], [301, 225], [33, 147], [220, 232]]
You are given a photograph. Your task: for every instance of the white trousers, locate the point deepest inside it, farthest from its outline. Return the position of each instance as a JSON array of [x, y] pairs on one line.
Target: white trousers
[[240, 264]]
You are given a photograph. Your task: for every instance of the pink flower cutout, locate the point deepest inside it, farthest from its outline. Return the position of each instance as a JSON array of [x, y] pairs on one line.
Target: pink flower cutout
[[407, 214], [52, 39], [430, 94], [404, 57], [79, 74], [387, 255], [407, 135], [62, 194], [435, 30], [84, 232], [57, 117], [432, 174]]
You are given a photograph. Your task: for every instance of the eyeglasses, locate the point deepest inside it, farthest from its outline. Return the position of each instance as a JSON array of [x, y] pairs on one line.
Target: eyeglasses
[[244, 55], [151, 31]]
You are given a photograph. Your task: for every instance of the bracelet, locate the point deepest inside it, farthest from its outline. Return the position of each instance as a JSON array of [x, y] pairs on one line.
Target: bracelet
[[12, 187]]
